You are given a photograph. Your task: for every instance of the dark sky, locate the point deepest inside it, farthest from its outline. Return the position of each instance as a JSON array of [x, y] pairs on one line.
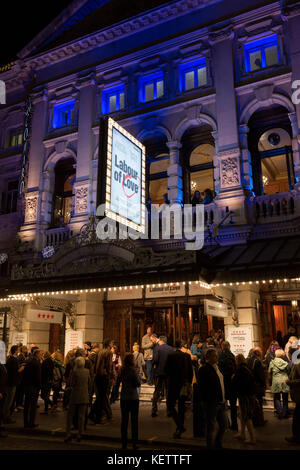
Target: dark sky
[[22, 21]]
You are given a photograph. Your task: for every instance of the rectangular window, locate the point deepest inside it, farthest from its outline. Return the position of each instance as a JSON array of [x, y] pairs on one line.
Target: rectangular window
[[63, 114], [192, 75], [14, 138], [10, 198], [261, 53], [113, 99], [151, 87]]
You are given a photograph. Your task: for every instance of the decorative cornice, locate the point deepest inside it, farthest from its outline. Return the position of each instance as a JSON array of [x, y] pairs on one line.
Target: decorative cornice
[[121, 30], [290, 11], [221, 34]]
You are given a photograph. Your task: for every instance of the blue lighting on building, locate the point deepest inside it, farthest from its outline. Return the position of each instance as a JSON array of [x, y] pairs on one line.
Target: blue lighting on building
[[261, 53], [113, 99], [151, 87], [63, 114], [192, 74]]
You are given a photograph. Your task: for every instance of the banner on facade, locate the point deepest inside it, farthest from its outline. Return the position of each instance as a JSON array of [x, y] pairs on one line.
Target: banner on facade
[[74, 339], [2, 353], [197, 289], [215, 309], [240, 339], [125, 177], [165, 291], [19, 337], [44, 316]]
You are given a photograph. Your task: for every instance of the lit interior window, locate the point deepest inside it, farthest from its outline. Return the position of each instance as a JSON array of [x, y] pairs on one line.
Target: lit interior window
[[192, 75], [261, 53], [151, 87], [113, 99], [63, 114]]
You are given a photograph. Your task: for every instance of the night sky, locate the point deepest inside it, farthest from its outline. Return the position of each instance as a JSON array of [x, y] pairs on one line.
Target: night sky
[[21, 22]]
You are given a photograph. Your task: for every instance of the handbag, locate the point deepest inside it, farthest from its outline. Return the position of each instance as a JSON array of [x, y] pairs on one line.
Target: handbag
[[186, 391]]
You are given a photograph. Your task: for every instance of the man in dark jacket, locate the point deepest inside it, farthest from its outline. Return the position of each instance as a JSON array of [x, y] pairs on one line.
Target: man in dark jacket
[[32, 385], [3, 393], [103, 375], [179, 370], [228, 367], [161, 353], [14, 378], [212, 394], [254, 362]]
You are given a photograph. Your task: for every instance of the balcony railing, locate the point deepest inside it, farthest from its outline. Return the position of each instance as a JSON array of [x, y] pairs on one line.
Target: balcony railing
[[279, 206], [58, 236]]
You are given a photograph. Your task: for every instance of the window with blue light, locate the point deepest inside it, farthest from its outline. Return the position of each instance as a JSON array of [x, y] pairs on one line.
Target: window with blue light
[[63, 114], [192, 75], [113, 99], [151, 87], [261, 53]]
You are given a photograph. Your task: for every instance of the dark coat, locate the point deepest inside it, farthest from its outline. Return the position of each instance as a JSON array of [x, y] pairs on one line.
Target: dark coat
[[12, 366], [258, 370], [32, 374], [209, 384], [243, 382], [179, 370], [130, 382], [3, 380], [80, 385], [47, 371], [160, 358], [228, 367]]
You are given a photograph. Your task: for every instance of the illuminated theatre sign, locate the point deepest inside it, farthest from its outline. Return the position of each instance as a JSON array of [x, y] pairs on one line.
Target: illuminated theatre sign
[[124, 167]]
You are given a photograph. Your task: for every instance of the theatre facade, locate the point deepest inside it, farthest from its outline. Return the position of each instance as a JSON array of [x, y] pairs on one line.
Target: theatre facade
[[209, 88]]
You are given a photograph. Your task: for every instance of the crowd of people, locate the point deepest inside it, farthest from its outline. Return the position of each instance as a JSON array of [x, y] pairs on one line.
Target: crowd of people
[[207, 375]]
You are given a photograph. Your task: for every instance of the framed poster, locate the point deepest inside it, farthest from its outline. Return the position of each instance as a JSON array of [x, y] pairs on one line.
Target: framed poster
[[240, 339], [124, 167]]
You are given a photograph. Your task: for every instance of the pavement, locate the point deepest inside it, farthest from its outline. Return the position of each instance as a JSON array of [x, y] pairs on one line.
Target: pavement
[[154, 433]]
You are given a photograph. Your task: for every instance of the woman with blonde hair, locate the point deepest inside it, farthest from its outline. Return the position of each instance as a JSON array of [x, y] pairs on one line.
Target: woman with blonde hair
[[243, 386], [279, 368], [139, 362], [288, 345], [58, 374]]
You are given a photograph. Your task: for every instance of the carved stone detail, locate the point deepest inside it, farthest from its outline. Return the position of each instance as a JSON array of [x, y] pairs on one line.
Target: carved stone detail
[[31, 206], [81, 200], [230, 172]]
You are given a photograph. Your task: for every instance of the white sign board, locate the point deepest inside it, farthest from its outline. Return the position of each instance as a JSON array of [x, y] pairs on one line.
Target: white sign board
[[19, 337], [134, 293], [74, 339], [197, 289], [2, 353], [215, 309], [125, 178], [44, 316], [240, 339], [165, 291]]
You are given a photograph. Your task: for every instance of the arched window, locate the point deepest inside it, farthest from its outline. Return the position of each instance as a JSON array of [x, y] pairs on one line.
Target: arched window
[[197, 153], [158, 160], [270, 145], [158, 179], [201, 168], [63, 192]]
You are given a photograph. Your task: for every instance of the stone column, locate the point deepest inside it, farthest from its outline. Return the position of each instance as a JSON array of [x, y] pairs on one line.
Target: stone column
[[295, 145], [90, 316], [245, 298], [247, 180], [291, 14], [30, 230], [175, 192], [226, 109], [86, 84]]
